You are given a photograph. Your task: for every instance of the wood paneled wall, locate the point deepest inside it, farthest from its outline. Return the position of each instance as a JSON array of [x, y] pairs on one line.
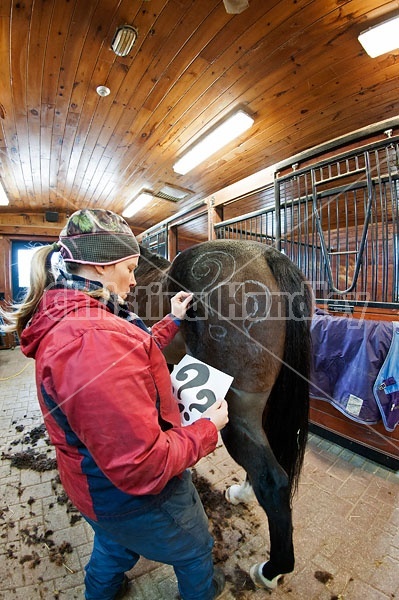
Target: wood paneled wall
[[6, 340], [32, 225], [5, 267]]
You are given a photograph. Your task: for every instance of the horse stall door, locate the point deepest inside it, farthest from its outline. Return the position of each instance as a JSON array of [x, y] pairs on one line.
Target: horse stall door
[[339, 223]]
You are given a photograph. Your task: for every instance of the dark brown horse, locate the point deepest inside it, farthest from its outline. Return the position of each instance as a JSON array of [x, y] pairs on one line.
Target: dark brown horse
[[250, 318]]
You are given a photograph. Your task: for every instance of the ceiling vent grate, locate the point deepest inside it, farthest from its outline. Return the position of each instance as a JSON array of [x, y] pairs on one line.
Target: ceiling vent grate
[[172, 194], [167, 197]]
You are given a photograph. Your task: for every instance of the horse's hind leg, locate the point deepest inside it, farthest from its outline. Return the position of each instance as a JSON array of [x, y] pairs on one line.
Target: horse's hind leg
[[246, 442]]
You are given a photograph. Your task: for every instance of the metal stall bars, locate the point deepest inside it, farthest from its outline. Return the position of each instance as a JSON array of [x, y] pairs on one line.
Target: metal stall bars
[[337, 219], [343, 214], [259, 224], [156, 240]]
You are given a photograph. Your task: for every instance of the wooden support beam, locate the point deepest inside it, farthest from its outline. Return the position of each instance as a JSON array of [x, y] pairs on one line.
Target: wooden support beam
[[172, 243], [32, 224]]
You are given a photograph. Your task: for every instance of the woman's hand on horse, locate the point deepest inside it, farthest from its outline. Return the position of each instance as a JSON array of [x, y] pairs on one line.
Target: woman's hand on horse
[[180, 303], [217, 413]]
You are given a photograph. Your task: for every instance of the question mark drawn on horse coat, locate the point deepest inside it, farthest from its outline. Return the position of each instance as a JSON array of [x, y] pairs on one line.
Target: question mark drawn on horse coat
[[210, 267], [216, 271], [257, 302], [199, 379]]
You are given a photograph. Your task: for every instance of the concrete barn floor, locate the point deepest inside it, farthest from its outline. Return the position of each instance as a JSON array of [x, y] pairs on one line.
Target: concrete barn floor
[[346, 519]]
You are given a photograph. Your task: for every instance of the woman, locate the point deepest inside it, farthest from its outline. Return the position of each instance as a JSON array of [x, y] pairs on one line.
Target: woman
[[105, 392]]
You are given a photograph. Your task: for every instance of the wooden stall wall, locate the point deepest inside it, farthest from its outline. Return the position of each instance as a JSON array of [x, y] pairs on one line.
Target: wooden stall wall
[[178, 233], [252, 202], [192, 231]]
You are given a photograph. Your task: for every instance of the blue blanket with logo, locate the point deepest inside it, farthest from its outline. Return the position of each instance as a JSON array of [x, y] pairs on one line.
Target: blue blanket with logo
[[356, 367]]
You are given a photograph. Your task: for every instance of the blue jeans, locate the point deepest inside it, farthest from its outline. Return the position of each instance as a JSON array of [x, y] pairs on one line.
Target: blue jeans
[[175, 533]]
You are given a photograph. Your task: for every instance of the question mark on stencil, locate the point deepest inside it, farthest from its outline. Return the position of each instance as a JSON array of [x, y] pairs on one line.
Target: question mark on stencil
[[199, 379]]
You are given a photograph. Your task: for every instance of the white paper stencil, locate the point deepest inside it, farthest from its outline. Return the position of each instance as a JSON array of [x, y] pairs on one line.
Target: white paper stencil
[[196, 386]]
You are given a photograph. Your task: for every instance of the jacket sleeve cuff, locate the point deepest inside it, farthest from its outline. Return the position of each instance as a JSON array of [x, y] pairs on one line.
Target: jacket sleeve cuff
[[209, 434], [176, 320]]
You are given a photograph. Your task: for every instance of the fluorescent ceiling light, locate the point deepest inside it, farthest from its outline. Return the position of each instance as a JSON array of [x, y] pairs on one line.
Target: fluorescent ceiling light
[[381, 38], [138, 203], [216, 139], [3, 197]]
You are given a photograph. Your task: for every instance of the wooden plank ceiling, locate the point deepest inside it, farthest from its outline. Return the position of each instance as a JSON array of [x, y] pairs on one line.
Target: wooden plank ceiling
[[295, 66]]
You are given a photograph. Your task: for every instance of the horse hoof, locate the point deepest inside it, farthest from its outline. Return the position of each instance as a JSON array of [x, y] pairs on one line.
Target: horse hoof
[[260, 580], [231, 494]]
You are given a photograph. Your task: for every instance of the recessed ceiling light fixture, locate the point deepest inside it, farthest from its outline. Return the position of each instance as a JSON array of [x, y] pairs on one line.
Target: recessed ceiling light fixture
[[3, 197], [138, 203], [221, 135], [103, 90], [124, 39], [381, 38]]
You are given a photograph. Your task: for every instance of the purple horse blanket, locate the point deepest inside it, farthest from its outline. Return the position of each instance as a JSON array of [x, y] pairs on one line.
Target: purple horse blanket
[[356, 367]]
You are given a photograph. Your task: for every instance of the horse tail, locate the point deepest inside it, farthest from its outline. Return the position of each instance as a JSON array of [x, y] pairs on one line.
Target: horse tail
[[286, 415]]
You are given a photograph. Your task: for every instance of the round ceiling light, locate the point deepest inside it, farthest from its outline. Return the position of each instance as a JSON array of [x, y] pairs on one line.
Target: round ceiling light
[[103, 90]]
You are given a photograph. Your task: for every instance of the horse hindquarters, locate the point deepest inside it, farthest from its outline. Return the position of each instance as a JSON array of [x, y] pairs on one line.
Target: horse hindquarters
[[251, 296]]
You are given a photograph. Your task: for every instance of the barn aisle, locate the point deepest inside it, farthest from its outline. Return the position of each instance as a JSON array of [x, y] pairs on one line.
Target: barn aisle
[[346, 519]]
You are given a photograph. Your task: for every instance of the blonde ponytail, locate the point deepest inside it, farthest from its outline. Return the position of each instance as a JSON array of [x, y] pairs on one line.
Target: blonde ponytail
[[41, 277]]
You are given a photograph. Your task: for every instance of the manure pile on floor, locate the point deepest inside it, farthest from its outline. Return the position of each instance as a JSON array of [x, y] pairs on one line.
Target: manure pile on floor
[[31, 457], [232, 527]]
